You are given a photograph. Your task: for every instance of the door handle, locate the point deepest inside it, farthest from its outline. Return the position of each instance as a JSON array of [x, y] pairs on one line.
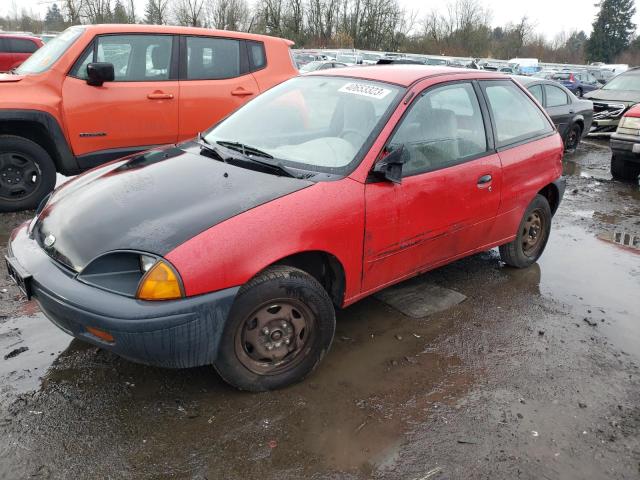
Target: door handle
[[483, 180], [160, 96], [241, 92]]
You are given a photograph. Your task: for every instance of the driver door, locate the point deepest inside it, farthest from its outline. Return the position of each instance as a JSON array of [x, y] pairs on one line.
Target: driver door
[[138, 110]]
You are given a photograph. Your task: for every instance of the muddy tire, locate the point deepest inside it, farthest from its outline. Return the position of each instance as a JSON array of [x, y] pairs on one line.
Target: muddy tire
[[532, 237], [624, 170], [27, 174], [281, 325], [573, 138]]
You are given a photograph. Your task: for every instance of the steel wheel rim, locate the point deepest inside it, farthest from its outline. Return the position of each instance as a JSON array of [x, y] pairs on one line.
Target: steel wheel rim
[[20, 176], [533, 232], [275, 337]]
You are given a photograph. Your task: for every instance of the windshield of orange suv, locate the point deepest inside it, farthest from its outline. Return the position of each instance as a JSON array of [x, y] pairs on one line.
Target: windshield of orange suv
[[44, 57], [317, 123]]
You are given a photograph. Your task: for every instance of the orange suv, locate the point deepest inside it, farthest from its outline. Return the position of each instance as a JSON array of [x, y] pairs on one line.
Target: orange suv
[[97, 93]]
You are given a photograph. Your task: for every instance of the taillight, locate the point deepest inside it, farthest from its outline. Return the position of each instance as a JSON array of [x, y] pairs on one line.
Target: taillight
[[572, 78]]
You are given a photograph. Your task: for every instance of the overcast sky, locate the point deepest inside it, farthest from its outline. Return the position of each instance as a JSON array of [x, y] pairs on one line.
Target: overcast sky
[[549, 16]]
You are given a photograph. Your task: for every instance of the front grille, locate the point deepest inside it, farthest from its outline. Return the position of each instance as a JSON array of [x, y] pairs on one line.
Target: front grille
[[602, 110]]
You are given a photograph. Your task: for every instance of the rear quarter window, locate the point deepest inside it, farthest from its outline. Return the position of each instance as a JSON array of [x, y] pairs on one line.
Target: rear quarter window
[[516, 117], [257, 56], [22, 45]]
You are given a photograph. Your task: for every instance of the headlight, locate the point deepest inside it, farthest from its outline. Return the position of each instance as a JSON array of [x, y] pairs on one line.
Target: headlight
[[161, 282], [134, 274], [629, 126]]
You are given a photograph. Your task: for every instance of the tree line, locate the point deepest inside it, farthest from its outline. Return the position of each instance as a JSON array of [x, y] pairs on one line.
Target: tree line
[[463, 28]]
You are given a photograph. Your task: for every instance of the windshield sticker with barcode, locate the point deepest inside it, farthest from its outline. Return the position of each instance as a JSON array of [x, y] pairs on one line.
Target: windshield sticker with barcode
[[365, 90]]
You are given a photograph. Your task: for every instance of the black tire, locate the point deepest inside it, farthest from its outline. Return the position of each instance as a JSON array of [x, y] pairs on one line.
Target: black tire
[[274, 287], [515, 253], [573, 138], [622, 169], [27, 174]]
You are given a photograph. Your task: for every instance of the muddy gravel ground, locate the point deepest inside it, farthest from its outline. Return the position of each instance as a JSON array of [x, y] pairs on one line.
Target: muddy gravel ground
[[534, 375]]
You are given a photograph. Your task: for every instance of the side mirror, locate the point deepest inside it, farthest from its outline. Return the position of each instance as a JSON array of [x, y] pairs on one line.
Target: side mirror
[[390, 166], [100, 72]]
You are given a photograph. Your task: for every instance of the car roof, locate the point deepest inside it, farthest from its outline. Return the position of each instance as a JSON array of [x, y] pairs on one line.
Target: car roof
[[406, 75], [176, 30], [19, 35]]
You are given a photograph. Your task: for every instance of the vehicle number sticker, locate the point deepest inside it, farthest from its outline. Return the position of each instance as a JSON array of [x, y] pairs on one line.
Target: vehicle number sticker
[[365, 90]]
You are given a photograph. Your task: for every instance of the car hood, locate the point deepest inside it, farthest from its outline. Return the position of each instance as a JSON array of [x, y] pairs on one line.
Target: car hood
[[151, 202], [624, 96]]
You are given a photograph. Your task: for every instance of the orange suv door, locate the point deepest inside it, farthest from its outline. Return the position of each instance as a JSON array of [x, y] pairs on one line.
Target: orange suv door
[[136, 111], [216, 79]]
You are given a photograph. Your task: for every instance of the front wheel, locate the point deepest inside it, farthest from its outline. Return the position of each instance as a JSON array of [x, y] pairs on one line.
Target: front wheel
[[27, 174], [622, 169], [532, 236], [281, 325]]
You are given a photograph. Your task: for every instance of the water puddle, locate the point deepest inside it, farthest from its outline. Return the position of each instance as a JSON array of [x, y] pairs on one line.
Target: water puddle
[[30, 344], [599, 280]]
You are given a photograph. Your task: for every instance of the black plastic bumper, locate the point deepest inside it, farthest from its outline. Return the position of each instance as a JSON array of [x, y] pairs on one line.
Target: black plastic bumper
[[561, 185], [626, 146], [177, 334]]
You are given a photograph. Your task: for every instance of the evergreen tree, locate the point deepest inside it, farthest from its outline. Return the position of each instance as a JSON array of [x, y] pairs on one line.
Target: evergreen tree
[[156, 12], [54, 21], [120, 14], [613, 30]]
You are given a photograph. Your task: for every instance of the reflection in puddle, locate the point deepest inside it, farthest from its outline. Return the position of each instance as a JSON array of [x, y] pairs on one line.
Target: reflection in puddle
[[624, 239]]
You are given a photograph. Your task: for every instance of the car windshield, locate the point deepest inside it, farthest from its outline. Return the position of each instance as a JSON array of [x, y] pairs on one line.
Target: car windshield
[[46, 56], [316, 123], [629, 82]]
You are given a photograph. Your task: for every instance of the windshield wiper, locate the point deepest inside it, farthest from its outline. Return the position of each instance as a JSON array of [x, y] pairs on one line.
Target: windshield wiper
[[206, 146], [244, 149], [249, 153]]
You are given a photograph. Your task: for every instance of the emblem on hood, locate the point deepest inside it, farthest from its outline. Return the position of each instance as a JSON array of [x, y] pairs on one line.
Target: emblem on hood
[[49, 240]]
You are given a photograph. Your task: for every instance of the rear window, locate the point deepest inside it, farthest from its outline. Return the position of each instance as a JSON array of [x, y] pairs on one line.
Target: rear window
[[517, 118], [561, 76], [626, 81], [22, 45]]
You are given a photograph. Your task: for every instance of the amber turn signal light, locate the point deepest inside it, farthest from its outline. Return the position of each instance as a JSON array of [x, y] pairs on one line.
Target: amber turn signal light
[[101, 334], [161, 282]]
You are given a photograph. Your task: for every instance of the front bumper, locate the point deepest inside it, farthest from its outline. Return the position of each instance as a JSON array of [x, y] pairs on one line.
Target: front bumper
[[178, 334], [626, 146]]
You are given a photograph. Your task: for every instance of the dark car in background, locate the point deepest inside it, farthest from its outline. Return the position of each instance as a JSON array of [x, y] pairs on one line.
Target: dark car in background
[[572, 116], [15, 49], [612, 100], [578, 83]]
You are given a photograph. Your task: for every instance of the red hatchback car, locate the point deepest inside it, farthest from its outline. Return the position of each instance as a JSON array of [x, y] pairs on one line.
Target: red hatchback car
[[15, 49], [234, 248]]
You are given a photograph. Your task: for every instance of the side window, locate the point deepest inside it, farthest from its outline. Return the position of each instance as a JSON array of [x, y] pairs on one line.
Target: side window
[[22, 45], [555, 96], [443, 127], [212, 58], [536, 91], [135, 58], [4, 47], [257, 57], [516, 117], [79, 70]]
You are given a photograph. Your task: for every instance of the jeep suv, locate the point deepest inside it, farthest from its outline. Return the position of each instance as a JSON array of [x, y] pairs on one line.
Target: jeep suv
[[97, 93]]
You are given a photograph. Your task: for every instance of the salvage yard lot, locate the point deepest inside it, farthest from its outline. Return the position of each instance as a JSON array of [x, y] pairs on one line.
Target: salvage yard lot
[[533, 375]]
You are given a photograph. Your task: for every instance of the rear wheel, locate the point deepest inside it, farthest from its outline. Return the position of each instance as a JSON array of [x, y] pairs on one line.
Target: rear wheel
[[532, 237], [280, 326], [27, 173], [622, 169], [573, 138]]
